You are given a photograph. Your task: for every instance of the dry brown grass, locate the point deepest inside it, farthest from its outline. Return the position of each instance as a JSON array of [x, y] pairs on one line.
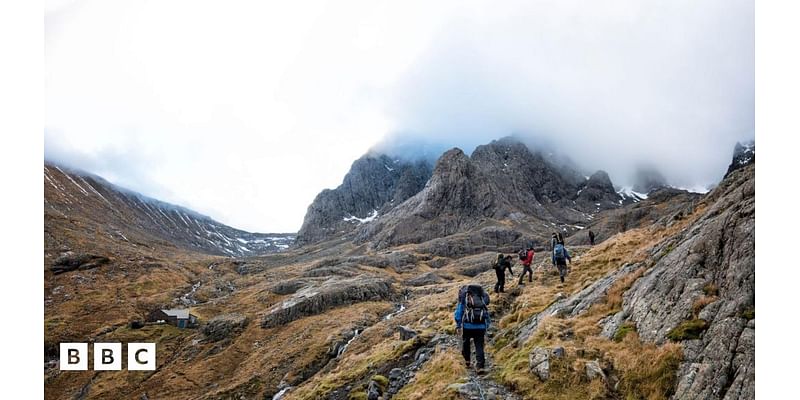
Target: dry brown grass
[[701, 303], [446, 367], [645, 371]]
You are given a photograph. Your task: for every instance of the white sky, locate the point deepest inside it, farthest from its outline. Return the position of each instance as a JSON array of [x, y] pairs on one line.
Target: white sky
[[244, 111]]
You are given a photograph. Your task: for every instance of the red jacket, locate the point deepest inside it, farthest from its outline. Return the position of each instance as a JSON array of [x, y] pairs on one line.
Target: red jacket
[[528, 260]]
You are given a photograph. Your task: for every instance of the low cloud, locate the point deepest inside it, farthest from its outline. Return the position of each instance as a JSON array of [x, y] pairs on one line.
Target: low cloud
[[245, 111], [611, 85]]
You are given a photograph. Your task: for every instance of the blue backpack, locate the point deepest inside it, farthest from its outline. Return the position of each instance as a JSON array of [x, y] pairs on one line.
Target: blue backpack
[[559, 252]]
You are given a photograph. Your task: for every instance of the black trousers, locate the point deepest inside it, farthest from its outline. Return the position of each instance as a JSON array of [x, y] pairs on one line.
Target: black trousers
[[526, 268], [501, 281], [562, 268], [477, 336]]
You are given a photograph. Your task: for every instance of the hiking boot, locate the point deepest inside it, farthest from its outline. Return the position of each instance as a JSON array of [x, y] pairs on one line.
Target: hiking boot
[[480, 370], [562, 279]]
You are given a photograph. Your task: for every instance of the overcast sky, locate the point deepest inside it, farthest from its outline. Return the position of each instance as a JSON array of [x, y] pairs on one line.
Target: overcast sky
[[244, 111]]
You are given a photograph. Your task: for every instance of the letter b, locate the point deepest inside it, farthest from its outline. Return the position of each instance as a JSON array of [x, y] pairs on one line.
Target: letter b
[[107, 356], [73, 356]]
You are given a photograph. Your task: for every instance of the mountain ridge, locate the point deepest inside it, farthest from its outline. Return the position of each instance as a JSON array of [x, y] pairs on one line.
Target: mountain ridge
[[67, 188]]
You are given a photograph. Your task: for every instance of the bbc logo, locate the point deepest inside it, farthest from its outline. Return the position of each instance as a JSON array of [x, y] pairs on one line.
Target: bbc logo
[[107, 356]]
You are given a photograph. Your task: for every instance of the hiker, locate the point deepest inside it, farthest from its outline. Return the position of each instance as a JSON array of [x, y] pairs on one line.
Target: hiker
[[560, 257], [556, 239], [472, 321], [527, 259], [591, 238], [500, 266]]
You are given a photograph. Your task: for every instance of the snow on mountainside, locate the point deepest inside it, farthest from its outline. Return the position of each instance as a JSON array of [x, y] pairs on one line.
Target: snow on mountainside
[[126, 215]]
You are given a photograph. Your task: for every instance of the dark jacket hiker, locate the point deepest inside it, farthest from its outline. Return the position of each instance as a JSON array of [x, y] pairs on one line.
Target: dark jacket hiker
[[500, 266], [472, 319]]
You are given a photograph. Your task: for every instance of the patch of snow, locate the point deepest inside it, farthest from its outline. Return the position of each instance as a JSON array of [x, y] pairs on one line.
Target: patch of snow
[[387, 168], [628, 192], [695, 189], [76, 183], [370, 218]]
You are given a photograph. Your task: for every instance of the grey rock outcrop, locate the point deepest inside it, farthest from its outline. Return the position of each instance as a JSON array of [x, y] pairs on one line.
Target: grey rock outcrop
[[539, 362], [406, 333], [713, 257], [594, 371], [744, 154], [375, 184], [224, 326], [70, 261], [428, 278], [598, 193], [373, 391], [323, 296]]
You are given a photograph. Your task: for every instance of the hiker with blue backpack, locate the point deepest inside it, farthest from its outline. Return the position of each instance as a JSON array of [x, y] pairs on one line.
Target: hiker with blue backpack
[[560, 257], [472, 321]]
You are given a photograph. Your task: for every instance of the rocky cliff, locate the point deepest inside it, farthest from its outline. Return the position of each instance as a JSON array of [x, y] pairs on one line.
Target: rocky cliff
[[503, 180], [375, 184], [662, 307], [743, 154]]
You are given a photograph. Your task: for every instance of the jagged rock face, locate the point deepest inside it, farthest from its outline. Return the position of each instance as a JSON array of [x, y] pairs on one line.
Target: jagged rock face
[[518, 172], [456, 197], [224, 326], [374, 185], [527, 181], [501, 180], [647, 179], [70, 261], [332, 293], [715, 259], [743, 155], [598, 193]]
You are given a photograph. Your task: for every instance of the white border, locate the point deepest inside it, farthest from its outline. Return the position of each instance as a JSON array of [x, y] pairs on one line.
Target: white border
[[22, 219]]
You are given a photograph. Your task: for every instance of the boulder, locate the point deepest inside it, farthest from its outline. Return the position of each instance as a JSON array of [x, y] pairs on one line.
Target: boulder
[[539, 362], [70, 261], [331, 293], [288, 287], [468, 390], [224, 326], [428, 278], [373, 391], [406, 333], [594, 371]]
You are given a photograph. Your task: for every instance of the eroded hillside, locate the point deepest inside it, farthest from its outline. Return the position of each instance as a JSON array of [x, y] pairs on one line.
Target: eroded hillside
[[663, 307]]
